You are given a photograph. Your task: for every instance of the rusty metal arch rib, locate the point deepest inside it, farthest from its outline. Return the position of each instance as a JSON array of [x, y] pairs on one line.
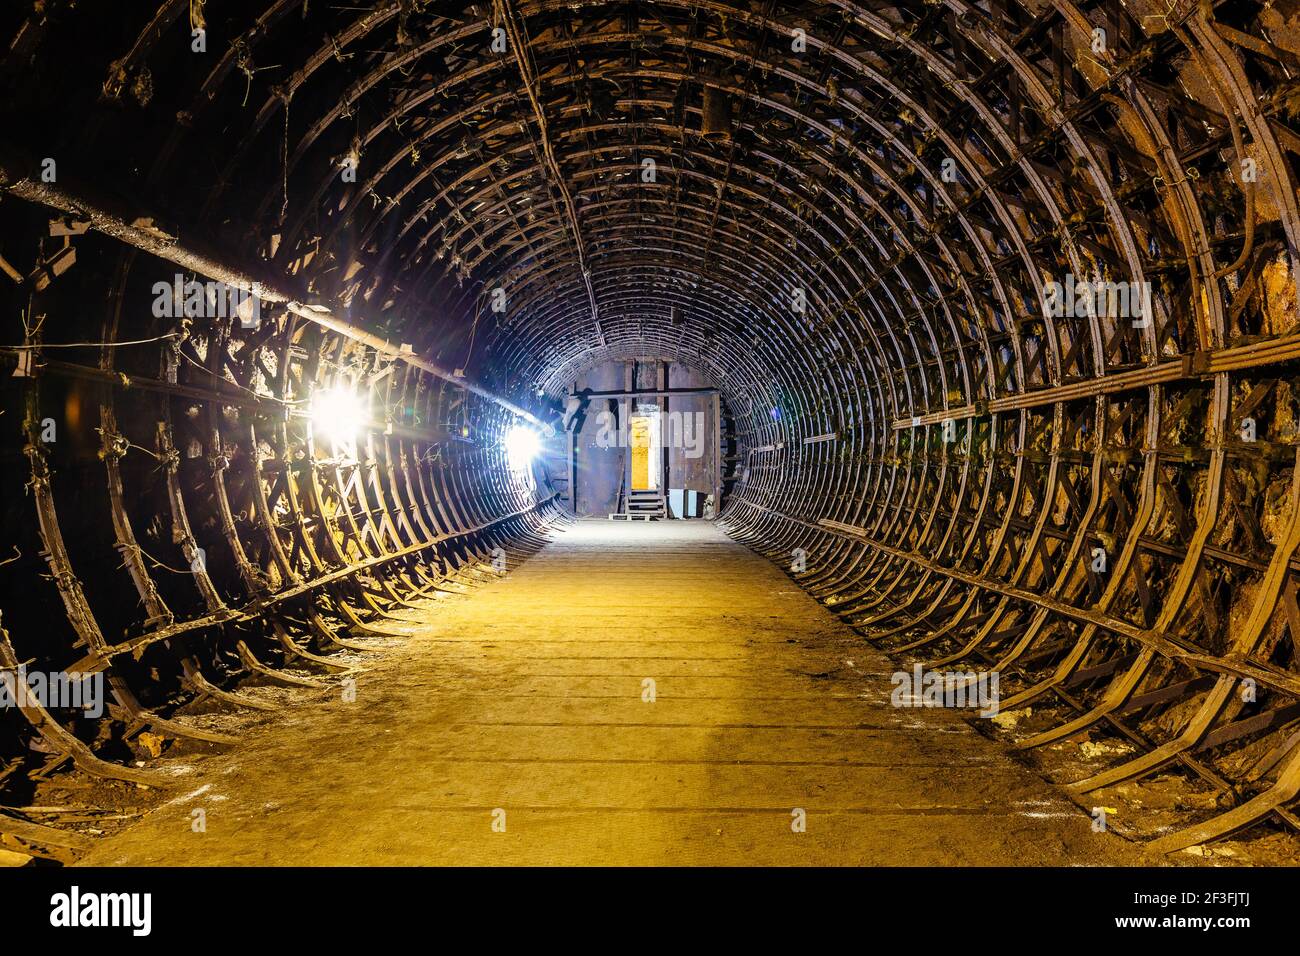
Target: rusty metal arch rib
[[950, 458]]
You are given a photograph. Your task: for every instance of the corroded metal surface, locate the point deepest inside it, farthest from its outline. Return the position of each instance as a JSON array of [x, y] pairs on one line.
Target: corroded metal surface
[[853, 248]]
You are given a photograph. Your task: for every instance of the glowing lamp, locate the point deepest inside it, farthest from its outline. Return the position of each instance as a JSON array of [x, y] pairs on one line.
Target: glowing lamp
[[338, 414], [522, 445]]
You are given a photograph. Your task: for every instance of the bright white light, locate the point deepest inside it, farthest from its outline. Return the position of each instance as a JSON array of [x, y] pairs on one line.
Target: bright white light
[[522, 446], [338, 414]]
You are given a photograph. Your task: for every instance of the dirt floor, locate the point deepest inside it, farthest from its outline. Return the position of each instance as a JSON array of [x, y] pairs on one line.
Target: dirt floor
[[516, 725]]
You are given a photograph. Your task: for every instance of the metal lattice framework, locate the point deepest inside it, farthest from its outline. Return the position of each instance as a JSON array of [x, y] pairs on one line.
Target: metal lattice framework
[[845, 215]]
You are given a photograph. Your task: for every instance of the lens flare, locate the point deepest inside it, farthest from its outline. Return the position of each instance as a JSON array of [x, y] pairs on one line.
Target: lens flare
[[522, 445], [338, 414]]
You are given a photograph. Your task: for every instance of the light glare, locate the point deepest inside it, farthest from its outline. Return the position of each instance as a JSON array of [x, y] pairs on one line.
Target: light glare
[[338, 414], [522, 446]]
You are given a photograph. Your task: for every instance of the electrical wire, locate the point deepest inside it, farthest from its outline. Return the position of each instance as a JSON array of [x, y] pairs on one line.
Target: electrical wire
[[255, 394], [100, 345]]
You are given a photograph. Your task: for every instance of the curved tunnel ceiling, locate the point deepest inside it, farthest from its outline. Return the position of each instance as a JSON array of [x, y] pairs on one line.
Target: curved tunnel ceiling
[[846, 216]]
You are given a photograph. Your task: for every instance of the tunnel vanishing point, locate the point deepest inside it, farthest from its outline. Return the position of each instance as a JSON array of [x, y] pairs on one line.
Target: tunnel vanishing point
[[862, 397]]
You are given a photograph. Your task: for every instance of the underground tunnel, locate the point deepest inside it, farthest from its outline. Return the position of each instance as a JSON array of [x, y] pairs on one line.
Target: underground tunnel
[[556, 432]]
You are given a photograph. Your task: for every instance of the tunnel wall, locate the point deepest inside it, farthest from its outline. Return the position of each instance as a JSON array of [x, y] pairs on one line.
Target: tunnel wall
[[851, 223], [183, 519], [599, 469], [1102, 509], [690, 452]]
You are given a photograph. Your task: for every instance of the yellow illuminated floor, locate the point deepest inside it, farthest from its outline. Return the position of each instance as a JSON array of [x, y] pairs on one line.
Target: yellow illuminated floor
[[524, 701]]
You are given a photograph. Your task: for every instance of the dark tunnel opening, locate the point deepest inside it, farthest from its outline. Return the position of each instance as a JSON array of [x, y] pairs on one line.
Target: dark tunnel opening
[[976, 318]]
